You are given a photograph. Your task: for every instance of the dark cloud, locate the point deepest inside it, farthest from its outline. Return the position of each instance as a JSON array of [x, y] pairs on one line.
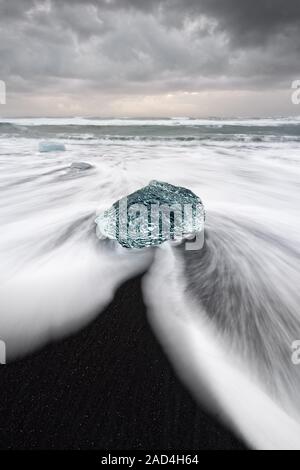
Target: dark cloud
[[243, 20], [148, 46], [249, 22]]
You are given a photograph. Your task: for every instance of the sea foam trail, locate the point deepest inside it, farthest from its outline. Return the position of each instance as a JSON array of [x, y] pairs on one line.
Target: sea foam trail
[[55, 274], [229, 314], [242, 289], [60, 293], [202, 355]]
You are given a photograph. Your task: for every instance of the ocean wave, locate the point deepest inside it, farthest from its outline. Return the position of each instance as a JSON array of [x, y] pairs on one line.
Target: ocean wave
[[176, 121], [153, 133]]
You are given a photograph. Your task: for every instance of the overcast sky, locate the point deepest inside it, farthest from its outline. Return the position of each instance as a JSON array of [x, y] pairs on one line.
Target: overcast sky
[[149, 57]]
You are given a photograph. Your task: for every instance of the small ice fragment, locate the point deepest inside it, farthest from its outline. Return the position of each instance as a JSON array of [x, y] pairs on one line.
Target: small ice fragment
[[81, 166], [51, 147]]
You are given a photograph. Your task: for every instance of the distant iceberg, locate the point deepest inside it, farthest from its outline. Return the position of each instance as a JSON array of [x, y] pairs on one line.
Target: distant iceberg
[[51, 147]]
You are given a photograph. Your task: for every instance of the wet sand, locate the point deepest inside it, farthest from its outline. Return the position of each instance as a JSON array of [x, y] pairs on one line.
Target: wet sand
[[108, 387]]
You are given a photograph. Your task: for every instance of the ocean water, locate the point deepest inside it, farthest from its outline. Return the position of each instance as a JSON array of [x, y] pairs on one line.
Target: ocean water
[[227, 316]]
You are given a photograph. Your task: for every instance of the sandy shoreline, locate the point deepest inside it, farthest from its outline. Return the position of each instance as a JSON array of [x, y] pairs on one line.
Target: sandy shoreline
[[107, 387]]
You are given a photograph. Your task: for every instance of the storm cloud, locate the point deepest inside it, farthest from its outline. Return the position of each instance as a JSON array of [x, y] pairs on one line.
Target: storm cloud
[[143, 48]]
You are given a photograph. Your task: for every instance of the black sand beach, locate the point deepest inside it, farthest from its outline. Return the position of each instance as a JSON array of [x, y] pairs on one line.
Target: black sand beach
[[108, 387]]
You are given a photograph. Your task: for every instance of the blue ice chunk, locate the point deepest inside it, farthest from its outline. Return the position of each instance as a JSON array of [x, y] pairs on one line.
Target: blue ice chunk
[[51, 147], [153, 215]]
